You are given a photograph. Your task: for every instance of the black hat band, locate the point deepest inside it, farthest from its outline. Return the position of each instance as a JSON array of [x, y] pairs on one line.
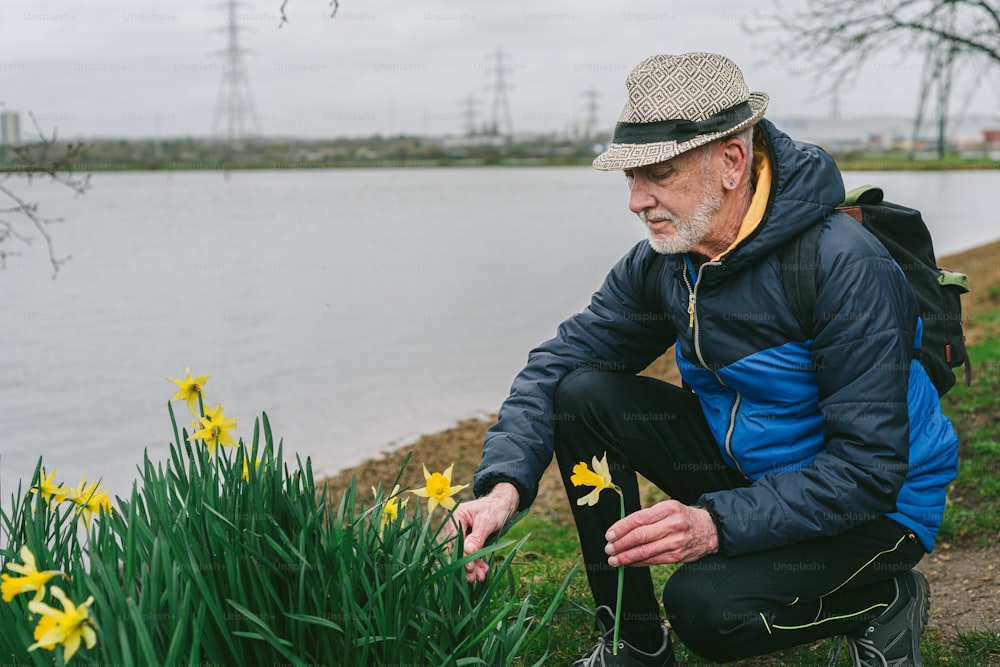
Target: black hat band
[[681, 129]]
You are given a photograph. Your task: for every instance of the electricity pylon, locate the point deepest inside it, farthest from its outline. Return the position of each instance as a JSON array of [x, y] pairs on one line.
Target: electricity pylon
[[235, 117]]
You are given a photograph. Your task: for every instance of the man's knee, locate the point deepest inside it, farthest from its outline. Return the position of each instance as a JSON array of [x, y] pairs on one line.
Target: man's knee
[[703, 618], [578, 390]]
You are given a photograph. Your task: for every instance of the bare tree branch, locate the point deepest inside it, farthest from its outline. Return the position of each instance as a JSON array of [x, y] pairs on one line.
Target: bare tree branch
[[335, 4], [992, 12], [838, 38], [45, 159], [826, 31], [29, 211]]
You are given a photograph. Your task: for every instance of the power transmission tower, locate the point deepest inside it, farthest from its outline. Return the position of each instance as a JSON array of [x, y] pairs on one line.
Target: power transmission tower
[[500, 102], [235, 117], [469, 104]]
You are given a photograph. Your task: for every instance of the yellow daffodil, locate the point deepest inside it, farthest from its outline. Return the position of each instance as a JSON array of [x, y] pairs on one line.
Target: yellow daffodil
[[67, 627], [246, 468], [45, 624], [30, 580], [215, 428], [439, 490], [89, 499], [390, 510], [189, 389], [48, 488], [599, 478]]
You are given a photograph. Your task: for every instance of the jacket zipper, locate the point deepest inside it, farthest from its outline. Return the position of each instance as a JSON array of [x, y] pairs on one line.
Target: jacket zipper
[[693, 328]]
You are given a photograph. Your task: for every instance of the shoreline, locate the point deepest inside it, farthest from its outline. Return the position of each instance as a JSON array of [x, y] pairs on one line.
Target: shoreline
[[845, 164], [461, 444]]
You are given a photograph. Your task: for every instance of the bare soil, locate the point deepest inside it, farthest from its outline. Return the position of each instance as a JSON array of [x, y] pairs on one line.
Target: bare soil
[[965, 580], [965, 588]]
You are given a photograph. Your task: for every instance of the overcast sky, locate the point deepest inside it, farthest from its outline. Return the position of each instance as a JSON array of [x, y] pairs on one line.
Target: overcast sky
[[137, 68]]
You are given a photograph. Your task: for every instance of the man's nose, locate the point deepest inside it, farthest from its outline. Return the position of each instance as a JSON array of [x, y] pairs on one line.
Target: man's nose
[[640, 197]]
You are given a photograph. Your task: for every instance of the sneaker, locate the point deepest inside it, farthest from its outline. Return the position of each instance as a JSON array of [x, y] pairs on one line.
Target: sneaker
[[601, 654], [893, 639]]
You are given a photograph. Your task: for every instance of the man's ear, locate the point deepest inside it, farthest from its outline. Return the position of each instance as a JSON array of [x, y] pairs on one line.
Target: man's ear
[[734, 162]]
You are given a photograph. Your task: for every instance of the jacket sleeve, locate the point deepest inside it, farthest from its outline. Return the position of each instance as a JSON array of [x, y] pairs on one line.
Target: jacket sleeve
[[616, 332], [864, 325]]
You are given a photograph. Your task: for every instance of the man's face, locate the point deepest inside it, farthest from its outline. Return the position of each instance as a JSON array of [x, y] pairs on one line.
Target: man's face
[[677, 200]]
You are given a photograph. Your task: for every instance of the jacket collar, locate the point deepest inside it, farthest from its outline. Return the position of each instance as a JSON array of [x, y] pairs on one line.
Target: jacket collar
[[758, 205]]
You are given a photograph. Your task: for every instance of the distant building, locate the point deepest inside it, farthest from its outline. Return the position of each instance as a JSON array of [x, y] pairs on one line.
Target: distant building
[[10, 128], [881, 132], [475, 140], [991, 138]]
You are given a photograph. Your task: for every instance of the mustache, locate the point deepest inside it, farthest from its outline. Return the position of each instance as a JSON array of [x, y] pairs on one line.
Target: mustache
[[657, 216]]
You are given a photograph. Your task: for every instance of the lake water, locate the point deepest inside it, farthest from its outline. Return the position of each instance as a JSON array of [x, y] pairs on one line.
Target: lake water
[[358, 308]]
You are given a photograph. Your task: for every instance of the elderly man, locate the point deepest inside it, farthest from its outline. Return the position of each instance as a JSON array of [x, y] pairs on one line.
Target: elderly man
[[806, 473]]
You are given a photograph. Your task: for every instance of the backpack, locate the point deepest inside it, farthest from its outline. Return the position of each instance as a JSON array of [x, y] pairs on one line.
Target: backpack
[[938, 291], [903, 232]]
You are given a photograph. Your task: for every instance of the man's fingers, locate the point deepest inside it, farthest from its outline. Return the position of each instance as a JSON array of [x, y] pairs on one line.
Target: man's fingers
[[458, 523], [477, 572], [671, 533], [485, 526], [646, 534], [666, 550], [643, 517], [640, 535], [474, 541], [477, 521], [649, 550]]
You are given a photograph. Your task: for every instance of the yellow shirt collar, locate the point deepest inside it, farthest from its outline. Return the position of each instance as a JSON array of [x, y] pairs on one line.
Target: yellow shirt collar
[[757, 205]]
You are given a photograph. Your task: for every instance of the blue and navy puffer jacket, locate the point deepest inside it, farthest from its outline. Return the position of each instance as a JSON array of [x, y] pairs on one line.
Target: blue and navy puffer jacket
[[831, 431]]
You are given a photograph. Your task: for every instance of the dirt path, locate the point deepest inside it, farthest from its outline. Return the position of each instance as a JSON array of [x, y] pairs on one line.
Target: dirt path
[[965, 588]]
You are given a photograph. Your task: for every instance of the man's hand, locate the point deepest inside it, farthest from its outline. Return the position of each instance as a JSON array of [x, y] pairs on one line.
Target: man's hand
[[482, 518], [667, 532]]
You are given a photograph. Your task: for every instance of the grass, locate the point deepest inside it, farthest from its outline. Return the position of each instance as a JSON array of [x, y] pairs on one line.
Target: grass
[[972, 518], [898, 160], [201, 564]]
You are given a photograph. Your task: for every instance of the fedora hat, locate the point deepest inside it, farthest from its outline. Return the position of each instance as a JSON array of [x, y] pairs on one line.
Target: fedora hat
[[676, 103]]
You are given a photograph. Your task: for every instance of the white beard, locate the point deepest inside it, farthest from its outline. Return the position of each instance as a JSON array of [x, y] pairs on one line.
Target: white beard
[[687, 233]]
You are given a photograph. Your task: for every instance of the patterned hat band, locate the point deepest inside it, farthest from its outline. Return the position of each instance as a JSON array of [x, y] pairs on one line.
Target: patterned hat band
[[681, 129]]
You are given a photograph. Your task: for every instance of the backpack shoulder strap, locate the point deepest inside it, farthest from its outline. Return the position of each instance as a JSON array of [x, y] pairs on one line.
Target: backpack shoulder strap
[[798, 275], [798, 257]]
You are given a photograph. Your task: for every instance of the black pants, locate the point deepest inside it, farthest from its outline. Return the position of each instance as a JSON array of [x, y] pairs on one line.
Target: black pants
[[723, 608]]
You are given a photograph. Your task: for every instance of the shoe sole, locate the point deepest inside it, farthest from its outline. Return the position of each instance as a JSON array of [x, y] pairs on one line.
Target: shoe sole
[[924, 596]]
